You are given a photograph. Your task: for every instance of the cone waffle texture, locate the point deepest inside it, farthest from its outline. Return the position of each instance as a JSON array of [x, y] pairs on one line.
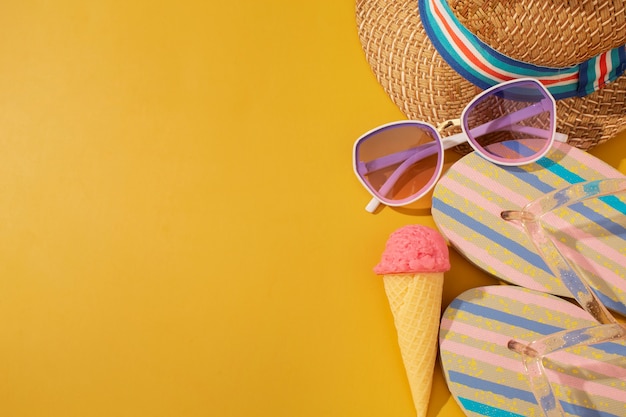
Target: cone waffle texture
[[415, 301]]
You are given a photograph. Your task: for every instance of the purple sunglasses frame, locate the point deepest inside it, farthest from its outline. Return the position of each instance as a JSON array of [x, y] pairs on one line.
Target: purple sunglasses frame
[[439, 145]]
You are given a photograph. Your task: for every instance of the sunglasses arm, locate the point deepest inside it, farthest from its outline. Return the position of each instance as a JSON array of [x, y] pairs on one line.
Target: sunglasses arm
[[372, 205], [424, 150], [510, 122]]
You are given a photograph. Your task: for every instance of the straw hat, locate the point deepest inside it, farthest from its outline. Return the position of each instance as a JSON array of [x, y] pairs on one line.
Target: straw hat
[[554, 38]]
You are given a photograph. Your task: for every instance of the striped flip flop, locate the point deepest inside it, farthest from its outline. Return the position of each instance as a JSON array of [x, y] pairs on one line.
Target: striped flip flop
[[488, 379], [469, 198]]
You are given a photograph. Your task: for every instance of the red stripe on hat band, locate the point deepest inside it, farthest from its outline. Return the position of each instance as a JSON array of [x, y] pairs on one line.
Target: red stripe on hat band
[[560, 80], [466, 51], [603, 69]]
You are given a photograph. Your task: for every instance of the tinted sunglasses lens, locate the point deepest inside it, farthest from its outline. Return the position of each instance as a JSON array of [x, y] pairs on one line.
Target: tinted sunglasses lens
[[399, 162], [513, 123]]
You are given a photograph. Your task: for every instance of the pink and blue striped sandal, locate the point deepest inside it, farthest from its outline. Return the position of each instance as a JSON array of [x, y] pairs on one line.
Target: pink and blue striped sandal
[[469, 198], [511, 351], [486, 346]]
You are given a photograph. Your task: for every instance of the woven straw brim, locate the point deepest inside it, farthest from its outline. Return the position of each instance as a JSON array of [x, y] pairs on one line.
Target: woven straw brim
[[426, 88], [550, 33]]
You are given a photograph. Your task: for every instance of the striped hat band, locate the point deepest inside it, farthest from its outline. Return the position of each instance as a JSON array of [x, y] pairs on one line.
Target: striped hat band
[[484, 66]]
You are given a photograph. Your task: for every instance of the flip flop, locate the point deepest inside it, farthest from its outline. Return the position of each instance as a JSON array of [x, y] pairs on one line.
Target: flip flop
[[469, 198], [488, 379]]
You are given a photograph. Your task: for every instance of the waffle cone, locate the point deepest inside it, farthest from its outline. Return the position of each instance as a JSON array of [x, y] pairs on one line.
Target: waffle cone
[[415, 301]]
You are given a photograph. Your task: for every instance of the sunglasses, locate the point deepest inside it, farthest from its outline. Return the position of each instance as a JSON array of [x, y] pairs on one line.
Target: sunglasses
[[512, 123]]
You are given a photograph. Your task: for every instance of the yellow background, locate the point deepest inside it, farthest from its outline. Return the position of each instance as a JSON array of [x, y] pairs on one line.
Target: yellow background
[[181, 233]]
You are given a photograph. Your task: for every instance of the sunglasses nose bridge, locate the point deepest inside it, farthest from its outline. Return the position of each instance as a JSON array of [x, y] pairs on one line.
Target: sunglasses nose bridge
[[447, 124]]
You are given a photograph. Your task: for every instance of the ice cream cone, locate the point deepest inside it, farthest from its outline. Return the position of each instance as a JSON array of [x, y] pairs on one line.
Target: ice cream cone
[[412, 266]]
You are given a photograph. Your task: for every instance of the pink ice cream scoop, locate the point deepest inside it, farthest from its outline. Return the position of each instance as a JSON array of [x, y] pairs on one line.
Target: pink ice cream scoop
[[414, 248]]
